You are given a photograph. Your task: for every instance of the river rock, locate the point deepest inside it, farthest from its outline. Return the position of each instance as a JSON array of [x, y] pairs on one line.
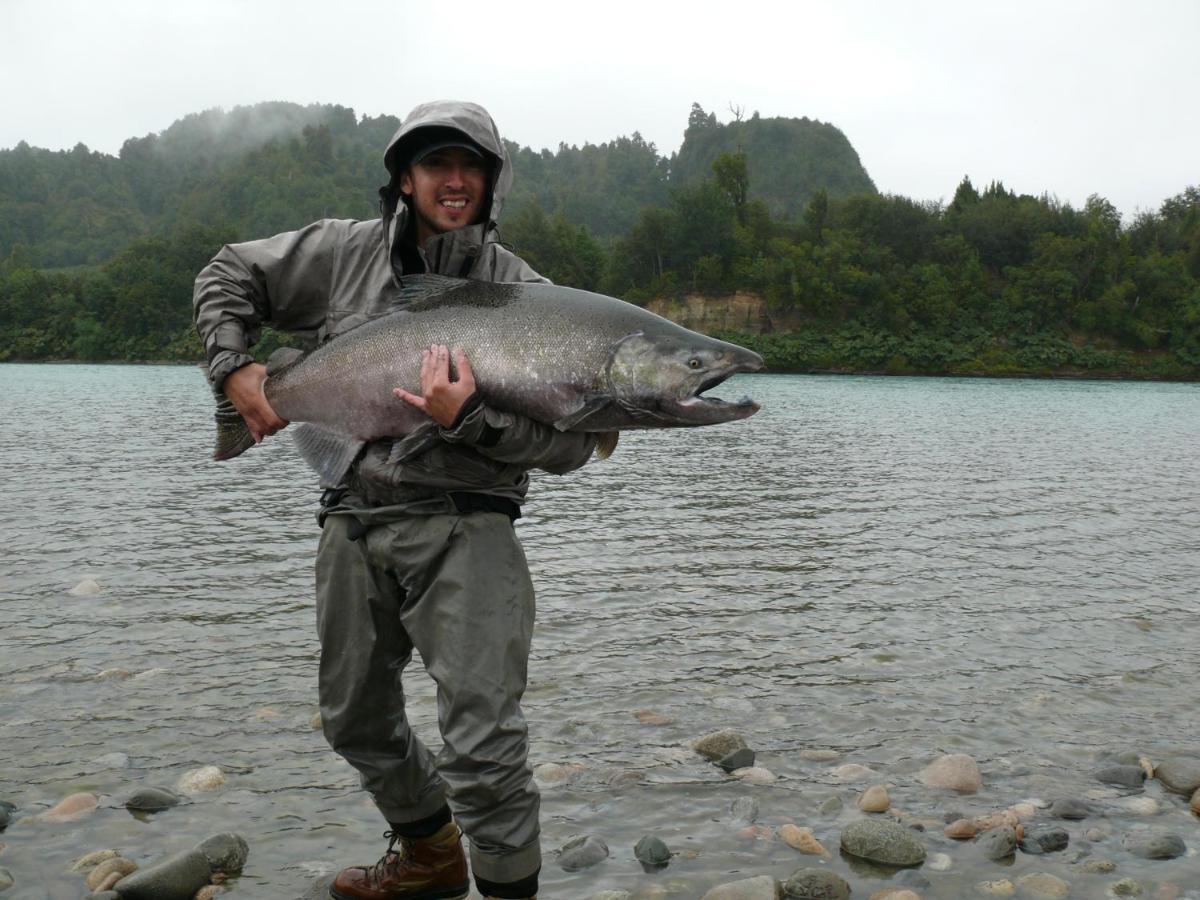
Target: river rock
[[1179, 774], [6, 811], [719, 744], [226, 852], [650, 717], [1125, 776], [1000, 888], [209, 891], [895, 893], [738, 759], [816, 884], [882, 842], [820, 755], [1098, 865], [1044, 839], [1139, 805], [1067, 808], [1195, 804], [802, 839], [955, 772], [1154, 844], [874, 799], [70, 808], [87, 588], [93, 859], [176, 878], [1043, 886], [556, 773], [152, 799], [113, 674], [99, 879], [997, 843], [201, 780], [852, 772], [744, 809], [960, 830], [763, 887], [6, 879], [581, 852], [1126, 887], [651, 851], [755, 775]]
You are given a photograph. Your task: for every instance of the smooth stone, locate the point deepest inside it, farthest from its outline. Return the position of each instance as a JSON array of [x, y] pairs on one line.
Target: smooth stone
[[1195, 804], [852, 772], [802, 839], [6, 811], [556, 773], [738, 759], [755, 775], [757, 833], [816, 884], [209, 891], [650, 717], [1179, 774], [831, 807], [113, 674], [819, 755], [1067, 808], [201, 780], [69, 808], [6, 879], [226, 852], [315, 723], [1044, 839], [955, 772], [1043, 886], [1098, 866], [762, 887], [87, 588], [940, 862], [882, 842], [1139, 806], [582, 852], [998, 843], [960, 830], [93, 859], [651, 851], [152, 799], [176, 878], [719, 744], [118, 865], [895, 893], [1023, 811], [874, 799], [1154, 844], [995, 820], [1000, 888], [1126, 887], [1125, 776], [1096, 835], [744, 809]]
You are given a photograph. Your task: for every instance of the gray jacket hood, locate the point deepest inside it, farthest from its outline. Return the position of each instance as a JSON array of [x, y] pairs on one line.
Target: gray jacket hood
[[473, 121]]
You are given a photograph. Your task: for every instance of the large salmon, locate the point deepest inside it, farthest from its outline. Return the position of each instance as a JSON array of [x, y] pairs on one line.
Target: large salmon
[[572, 359]]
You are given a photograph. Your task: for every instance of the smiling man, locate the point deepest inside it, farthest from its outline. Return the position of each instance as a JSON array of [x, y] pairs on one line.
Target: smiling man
[[417, 553]]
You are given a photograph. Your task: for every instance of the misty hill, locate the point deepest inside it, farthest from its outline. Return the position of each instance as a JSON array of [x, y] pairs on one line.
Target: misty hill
[[789, 160], [261, 169]]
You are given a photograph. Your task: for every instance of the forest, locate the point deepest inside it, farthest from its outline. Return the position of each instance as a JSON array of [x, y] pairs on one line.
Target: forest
[[98, 253]]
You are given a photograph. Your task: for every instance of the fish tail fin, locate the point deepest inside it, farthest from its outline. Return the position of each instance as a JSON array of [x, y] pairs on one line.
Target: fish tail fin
[[606, 444], [233, 434]]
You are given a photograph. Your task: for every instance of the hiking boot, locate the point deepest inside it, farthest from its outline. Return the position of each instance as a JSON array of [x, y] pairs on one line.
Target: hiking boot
[[432, 868]]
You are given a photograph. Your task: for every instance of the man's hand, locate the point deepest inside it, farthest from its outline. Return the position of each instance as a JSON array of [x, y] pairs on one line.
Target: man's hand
[[440, 398], [244, 388]]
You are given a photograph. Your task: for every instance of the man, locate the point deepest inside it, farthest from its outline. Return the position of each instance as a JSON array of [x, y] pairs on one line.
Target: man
[[419, 553]]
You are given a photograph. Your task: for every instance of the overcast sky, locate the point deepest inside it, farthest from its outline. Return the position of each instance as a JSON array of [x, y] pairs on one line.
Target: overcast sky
[[1070, 98]]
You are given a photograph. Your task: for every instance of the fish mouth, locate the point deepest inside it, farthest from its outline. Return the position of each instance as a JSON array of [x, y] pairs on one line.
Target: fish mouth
[[698, 409]]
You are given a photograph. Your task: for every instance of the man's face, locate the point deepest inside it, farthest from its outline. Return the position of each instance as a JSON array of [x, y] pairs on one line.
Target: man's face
[[448, 189]]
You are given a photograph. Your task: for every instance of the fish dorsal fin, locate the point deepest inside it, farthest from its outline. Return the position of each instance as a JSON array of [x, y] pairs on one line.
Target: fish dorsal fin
[[415, 289], [589, 408]]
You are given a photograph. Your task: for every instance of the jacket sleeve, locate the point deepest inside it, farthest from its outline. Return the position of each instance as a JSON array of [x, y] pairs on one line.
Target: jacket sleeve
[[283, 281], [518, 440]]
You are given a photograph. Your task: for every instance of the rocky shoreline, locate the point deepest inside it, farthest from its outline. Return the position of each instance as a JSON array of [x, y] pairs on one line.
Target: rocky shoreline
[[940, 845]]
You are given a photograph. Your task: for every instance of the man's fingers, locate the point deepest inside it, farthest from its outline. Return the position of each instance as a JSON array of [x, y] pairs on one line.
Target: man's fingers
[[465, 374], [411, 399]]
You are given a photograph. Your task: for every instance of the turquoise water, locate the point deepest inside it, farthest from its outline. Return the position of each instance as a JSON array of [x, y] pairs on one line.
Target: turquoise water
[[892, 568]]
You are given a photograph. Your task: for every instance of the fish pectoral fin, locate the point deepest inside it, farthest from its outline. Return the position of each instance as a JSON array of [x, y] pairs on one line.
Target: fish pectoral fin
[[572, 420], [414, 444], [329, 454], [606, 444]]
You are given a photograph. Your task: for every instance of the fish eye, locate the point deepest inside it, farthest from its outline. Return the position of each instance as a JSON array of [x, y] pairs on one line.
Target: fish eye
[[695, 362]]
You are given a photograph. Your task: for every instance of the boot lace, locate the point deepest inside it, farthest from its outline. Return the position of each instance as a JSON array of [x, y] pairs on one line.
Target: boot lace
[[390, 857]]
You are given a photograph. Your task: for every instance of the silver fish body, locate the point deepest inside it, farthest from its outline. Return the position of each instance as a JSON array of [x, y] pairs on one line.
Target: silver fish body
[[576, 360]]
